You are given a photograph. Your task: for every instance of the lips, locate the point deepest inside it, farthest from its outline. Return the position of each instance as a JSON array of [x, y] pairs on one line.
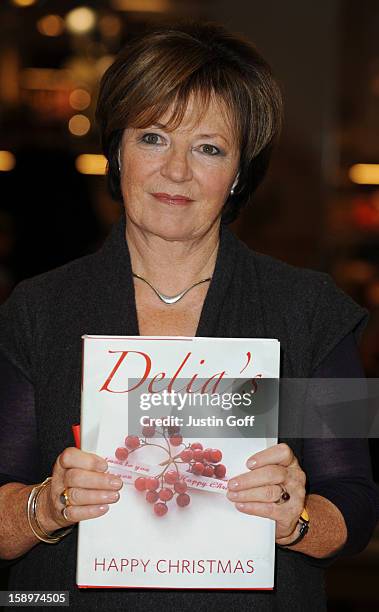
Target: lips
[[172, 199]]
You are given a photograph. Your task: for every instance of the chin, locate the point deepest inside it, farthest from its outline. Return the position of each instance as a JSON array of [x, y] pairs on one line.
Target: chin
[[173, 232], [172, 227]]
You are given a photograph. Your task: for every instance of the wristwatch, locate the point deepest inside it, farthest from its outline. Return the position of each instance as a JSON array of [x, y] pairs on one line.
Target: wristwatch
[[304, 527]]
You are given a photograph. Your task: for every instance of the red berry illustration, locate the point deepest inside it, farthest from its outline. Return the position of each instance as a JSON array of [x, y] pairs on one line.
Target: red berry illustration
[[198, 468], [148, 431], [165, 494], [198, 454], [171, 477], [209, 471], [195, 445], [183, 500], [216, 455], [208, 454], [169, 484], [132, 442], [180, 486], [186, 455], [151, 496], [160, 509], [220, 470], [140, 483], [152, 484], [176, 440], [173, 429], [121, 453]]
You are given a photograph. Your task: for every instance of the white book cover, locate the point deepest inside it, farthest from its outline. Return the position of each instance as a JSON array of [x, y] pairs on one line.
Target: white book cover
[[176, 417]]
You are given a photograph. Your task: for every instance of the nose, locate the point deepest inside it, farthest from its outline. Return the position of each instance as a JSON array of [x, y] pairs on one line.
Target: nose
[[176, 165]]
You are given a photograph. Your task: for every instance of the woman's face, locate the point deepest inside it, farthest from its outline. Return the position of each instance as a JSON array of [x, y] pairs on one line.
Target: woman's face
[[198, 160]]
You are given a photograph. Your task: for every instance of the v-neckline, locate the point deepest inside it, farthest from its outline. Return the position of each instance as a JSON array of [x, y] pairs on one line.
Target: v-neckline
[[119, 278]]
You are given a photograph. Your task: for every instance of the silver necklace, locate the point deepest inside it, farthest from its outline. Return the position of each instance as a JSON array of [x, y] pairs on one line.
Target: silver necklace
[[171, 299]]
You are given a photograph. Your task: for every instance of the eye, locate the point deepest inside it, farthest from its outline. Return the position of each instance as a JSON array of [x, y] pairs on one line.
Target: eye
[[210, 149], [150, 138]]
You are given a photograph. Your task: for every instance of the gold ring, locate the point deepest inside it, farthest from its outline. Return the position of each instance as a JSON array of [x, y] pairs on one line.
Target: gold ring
[[284, 496], [64, 499], [64, 514]]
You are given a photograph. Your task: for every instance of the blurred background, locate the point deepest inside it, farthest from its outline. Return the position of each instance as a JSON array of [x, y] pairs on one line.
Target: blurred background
[[318, 208]]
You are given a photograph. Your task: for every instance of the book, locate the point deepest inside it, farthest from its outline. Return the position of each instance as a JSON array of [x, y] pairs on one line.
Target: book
[[175, 418]]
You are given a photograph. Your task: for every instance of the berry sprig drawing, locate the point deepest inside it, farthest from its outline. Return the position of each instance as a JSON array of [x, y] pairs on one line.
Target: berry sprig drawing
[[169, 484]]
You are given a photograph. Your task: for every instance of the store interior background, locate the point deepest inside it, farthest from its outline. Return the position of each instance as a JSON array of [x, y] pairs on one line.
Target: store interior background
[[318, 208]]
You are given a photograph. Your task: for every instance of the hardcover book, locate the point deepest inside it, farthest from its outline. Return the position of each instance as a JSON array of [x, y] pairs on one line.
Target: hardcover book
[[175, 418]]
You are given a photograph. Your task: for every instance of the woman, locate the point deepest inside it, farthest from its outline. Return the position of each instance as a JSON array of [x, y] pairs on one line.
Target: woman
[[188, 118]]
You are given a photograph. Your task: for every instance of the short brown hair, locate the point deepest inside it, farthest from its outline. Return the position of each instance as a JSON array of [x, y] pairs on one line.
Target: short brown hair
[[165, 66]]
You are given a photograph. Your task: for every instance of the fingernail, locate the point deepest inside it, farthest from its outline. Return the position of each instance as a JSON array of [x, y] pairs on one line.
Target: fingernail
[[240, 506], [115, 483], [111, 496], [251, 463], [233, 494], [234, 484], [103, 508], [102, 466]]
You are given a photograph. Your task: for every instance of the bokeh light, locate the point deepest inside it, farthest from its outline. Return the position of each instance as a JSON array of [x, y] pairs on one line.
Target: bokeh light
[[364, 174], [80, 20], [79, 99], [7, 161], [91, 164], [50, 25], [79, 125], [24, 2], [153, 6]]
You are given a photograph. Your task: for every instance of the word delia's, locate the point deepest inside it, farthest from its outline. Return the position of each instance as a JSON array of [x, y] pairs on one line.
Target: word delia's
[[142, 362]]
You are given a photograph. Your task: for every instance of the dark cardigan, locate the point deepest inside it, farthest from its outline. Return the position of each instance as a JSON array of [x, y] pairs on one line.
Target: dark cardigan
[[251, 295]]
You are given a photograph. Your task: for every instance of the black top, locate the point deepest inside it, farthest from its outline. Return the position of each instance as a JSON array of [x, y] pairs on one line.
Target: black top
[[250, 296]]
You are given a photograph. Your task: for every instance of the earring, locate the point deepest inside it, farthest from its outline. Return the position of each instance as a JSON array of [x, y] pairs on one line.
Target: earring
[[234, 184], [119, 160]]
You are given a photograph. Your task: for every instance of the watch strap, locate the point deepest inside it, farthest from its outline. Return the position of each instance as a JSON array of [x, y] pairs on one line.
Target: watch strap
[[304, 527]]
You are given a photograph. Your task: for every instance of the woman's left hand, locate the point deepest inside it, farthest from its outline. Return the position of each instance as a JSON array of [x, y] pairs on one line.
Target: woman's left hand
[[256, 491]]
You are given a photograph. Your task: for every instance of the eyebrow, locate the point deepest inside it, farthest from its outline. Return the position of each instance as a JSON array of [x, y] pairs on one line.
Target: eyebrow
[[213, 135]]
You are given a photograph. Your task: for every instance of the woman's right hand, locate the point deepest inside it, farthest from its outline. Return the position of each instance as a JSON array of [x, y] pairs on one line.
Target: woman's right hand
[[90, 490]]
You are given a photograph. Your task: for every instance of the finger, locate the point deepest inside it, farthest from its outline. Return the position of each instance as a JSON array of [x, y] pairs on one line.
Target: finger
[[85, 479], [267, 475], [75, 514], [86, 497], [280, 454], [269, 493], [282, 516], [72, 457], [265, 510]]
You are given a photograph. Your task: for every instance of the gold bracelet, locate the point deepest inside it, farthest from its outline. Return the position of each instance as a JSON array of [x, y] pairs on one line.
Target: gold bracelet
[[34, 524]]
